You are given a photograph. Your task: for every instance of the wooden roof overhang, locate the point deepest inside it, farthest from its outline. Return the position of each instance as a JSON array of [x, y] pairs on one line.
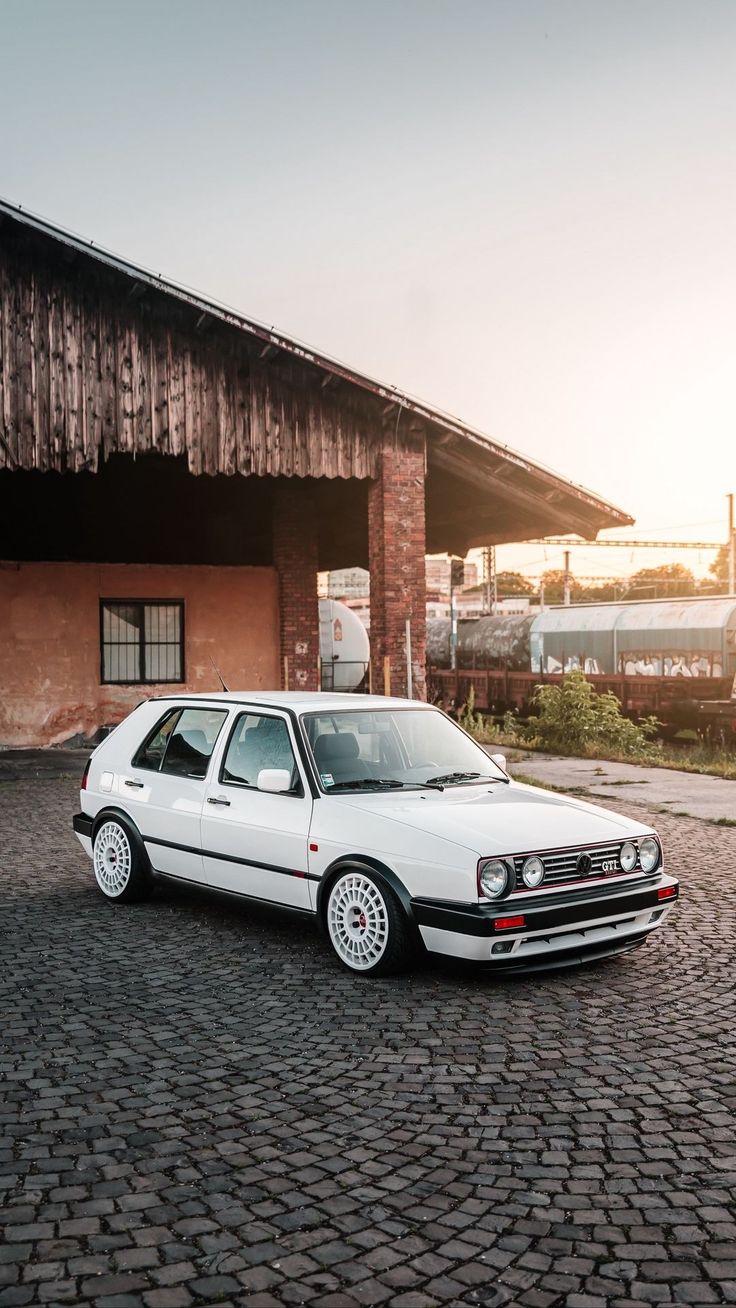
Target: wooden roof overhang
[[158, 368]]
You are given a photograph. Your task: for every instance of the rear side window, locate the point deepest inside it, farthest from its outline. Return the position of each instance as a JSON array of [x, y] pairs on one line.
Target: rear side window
[[182, 743], [151, 752]]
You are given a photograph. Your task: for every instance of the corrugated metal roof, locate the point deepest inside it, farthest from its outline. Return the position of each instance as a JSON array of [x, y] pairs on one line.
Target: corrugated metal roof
[[680, 615], [713, 614]]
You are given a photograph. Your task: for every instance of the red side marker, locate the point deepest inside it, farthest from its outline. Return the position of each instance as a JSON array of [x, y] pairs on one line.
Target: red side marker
[[314, 848]]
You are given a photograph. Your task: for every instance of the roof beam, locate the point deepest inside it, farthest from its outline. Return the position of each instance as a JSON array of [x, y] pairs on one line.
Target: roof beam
[[571, 513]]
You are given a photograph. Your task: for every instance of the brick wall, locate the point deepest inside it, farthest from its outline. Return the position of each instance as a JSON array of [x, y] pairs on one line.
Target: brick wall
[[50, 640], [396, 544], [295, 557]]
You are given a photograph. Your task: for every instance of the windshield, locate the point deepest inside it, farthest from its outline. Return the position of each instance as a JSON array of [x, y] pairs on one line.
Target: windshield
[[375, 749]]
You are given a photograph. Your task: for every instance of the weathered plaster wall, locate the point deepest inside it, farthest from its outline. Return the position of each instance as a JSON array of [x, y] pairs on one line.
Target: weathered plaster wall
[[50, 640]]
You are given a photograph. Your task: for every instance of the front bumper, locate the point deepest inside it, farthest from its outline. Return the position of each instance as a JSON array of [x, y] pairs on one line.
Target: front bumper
[[558, 930]]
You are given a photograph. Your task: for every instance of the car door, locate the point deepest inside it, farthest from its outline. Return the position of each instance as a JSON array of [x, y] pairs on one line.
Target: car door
[[165, 787], [255, 842]]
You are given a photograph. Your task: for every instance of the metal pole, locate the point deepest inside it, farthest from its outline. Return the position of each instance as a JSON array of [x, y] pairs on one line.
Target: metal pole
[[409, 687], [731, 549], [494, 582], [453, 630], [566, 599], [487, 571]]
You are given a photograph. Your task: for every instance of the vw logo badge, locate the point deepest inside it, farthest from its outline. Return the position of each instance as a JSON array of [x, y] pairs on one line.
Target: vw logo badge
[[584, 865]]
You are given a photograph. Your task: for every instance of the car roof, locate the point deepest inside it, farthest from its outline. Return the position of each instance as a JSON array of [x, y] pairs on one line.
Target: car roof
[[299, 700]]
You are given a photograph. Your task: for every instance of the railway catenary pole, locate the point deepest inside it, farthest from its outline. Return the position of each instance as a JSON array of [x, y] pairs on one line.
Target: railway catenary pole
[[566, 597], [731, 549]]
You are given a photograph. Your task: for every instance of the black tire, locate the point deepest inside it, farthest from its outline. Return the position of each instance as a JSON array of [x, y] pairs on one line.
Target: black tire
[[366, 924], [121, 867]]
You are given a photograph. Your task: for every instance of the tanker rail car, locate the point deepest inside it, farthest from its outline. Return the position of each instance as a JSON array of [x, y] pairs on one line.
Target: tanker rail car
[[671, 658]]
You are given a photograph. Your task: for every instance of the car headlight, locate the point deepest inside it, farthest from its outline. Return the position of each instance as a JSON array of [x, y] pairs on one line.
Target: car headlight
[[627, 857], [648, 853], [493, 877], [532, 873]]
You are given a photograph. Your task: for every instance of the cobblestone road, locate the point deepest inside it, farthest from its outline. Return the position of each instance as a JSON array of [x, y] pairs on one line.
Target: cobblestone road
[[200, 1108]]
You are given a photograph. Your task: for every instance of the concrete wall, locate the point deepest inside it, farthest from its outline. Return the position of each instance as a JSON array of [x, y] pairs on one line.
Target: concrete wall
[[50, 640]]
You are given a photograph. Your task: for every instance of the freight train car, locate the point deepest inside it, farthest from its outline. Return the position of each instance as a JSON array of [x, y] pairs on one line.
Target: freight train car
[[667, 657]]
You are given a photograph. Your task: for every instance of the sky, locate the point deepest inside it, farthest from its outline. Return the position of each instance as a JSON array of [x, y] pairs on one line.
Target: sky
[[521, 211]]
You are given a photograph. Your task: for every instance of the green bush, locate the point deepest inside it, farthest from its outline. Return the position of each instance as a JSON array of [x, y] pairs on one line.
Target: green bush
[[572, 718]]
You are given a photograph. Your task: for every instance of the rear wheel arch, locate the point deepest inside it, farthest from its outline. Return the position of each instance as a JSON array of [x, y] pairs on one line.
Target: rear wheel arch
[[112, 811], [120, 815], [120, 862]]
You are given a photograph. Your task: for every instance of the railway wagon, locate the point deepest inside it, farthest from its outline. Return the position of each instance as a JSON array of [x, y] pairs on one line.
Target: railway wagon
[[666, 657]]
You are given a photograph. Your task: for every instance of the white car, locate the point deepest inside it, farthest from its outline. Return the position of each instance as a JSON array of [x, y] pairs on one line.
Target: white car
[[380, 817]]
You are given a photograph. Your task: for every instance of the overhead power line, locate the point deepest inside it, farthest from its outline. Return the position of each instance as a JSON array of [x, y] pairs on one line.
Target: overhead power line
[[628, 544]]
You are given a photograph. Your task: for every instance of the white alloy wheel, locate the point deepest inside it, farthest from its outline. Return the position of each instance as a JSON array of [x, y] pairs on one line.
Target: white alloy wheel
[[113, 859], [358, 921]]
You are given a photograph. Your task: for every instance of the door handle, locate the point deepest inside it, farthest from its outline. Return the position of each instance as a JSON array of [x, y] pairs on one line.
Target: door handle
[[217, 799], [134, 785]]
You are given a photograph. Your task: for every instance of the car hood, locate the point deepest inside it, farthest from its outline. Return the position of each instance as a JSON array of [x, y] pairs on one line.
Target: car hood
[[502, 819]]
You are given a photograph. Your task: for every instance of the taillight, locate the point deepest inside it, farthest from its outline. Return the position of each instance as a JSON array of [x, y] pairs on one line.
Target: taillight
[[85, 774]]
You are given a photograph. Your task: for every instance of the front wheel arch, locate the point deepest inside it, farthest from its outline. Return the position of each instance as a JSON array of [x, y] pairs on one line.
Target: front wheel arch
[[382, 873]]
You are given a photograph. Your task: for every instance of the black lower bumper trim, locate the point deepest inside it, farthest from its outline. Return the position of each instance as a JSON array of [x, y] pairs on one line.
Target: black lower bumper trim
[[478, 919], [563, 958], [83, 824]]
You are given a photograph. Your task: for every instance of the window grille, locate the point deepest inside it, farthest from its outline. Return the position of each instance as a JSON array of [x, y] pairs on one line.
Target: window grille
[[141, 641]]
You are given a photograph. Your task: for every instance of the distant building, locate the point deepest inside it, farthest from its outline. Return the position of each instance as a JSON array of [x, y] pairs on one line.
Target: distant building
[[349, 583], [438, 575]]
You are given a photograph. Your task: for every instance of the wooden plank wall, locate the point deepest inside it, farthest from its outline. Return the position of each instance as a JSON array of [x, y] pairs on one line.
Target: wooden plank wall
[[92, 363]]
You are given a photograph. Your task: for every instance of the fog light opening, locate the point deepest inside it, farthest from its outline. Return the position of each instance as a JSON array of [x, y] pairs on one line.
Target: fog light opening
[[502, 947]]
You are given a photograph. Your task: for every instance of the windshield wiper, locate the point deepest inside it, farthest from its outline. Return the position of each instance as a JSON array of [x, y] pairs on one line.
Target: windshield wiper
[[448, 777], [367, 783]]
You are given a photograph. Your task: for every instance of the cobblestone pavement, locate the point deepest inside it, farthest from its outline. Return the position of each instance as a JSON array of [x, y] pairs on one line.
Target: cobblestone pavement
[[199, 1107]]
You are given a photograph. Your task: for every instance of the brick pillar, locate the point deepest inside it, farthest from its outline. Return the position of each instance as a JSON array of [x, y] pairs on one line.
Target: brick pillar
[[295, 557], [396, 544]]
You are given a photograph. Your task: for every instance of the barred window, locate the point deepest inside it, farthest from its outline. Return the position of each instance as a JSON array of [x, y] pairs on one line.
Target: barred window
[[141, 641]]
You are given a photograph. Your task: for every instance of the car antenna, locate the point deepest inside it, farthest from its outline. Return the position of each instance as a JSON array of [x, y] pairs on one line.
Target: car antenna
[[217, 670]]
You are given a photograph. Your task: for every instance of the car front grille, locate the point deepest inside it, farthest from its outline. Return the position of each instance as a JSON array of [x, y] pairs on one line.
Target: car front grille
[[561, 865]]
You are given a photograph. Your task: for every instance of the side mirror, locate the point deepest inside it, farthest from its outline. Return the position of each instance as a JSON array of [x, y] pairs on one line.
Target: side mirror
[[274, 780], [500, 761]]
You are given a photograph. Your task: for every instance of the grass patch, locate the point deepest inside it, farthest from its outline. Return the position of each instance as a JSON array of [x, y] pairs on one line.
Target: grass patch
[[621, 782], [699, 757], [573, 721]]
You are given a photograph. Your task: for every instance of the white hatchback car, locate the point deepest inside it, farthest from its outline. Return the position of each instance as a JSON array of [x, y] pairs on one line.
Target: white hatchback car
[[380, 817]]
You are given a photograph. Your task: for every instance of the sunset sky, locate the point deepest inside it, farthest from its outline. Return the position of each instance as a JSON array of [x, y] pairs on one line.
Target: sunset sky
[[523, 212]]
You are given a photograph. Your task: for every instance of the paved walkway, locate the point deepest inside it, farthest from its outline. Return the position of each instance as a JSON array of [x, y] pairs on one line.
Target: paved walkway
[[199, 1107], [685, 793]]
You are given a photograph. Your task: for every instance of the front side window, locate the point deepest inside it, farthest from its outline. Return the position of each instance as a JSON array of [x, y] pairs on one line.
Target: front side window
[[366, 749], [258, 742], [142, 641], [182, 743]]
